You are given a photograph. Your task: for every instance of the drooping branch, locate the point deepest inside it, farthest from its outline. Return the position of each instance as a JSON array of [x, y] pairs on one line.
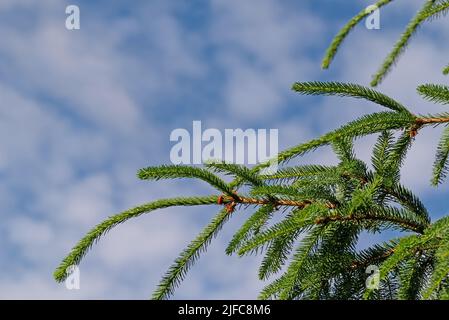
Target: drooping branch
[[343, 33], [400, 46], [412, 226], [83, 246]]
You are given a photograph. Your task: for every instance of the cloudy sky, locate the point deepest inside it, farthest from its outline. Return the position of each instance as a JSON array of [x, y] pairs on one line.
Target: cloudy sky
[[82, 110]]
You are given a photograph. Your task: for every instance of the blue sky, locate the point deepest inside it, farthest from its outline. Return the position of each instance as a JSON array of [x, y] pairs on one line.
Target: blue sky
[[81, 111]]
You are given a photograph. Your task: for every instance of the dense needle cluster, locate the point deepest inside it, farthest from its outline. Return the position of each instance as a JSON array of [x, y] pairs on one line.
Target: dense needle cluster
[[322, 210]]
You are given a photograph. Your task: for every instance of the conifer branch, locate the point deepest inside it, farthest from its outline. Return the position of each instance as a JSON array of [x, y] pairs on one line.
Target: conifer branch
[[413, 277], [441, 270], [83, 246], [277, 254], [348, 90], [398, 152], [374, 255], [275, 202], [297, 172], [253, 224], [432, 9], [441, 164], [409, 201], [272, 290], [182, 264], [397, 219], [292, 275], [298, 221], [366, 125], [438, 10], [435, 93], [400, 46], [328, 206], [381, 152], [236, 170], [446, 70], [343, 33], [181, 171]]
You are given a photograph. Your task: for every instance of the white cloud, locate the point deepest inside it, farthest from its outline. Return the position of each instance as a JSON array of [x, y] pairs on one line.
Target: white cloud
[[263, 52]]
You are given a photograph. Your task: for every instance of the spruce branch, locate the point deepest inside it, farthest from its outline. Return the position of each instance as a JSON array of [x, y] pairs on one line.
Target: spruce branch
[[265, 201], [309, 244], [344, 149], [293, 173], [403, 219], [441, 164], [305, 195], [446, 70], [320, 197], [318, 260], [413, 276], [366, 125], [438, 10], [403, 250], [402, 43], [348, 90], [375, 254], [409, 201], [410, 251], [343, 33], [299, 220], [398, 152], [381, 152], [251, 225], [271, 291], [83, 246], [435, 93], [182, 264], [181, 171], [328, 206], [277, 254], [431, 10], [236, 170]]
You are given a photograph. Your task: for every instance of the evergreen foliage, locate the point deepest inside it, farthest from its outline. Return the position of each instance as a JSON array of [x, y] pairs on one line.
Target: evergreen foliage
[[431, 10], [446, 70], [323, 210]]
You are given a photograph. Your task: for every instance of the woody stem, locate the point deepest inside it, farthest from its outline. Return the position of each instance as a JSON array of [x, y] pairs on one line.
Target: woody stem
[[275, 202]]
